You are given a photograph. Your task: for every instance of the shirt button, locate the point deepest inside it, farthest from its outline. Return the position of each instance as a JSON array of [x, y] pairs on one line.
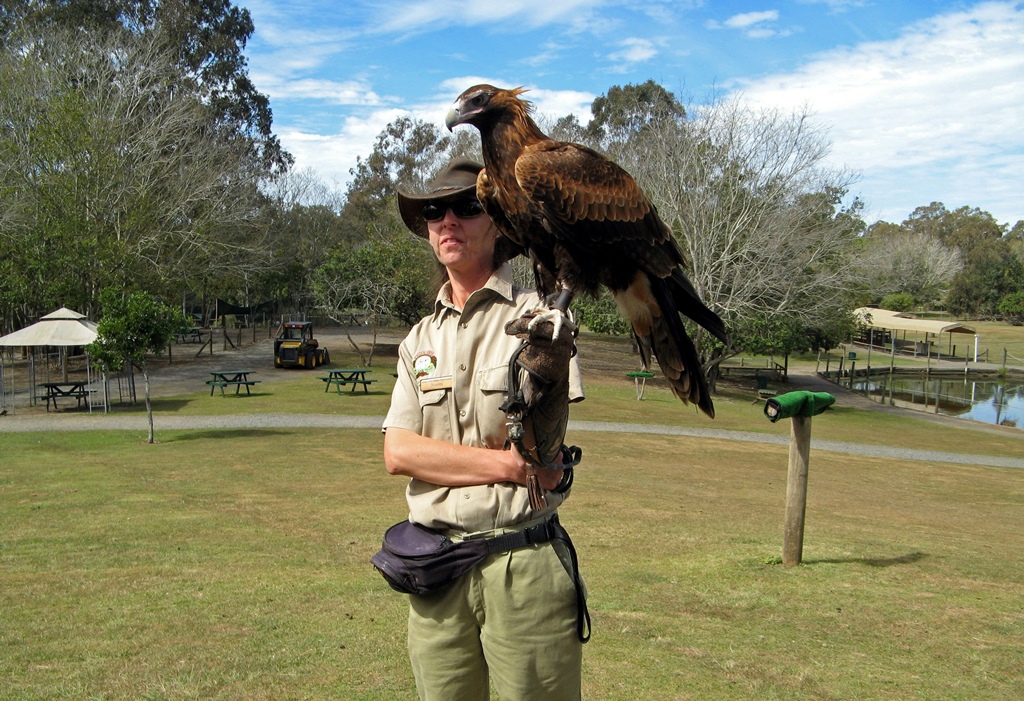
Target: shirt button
[[463, 368], [462, 414]]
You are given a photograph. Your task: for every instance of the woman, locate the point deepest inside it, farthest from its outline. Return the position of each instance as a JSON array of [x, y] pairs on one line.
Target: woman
[[513, 620]]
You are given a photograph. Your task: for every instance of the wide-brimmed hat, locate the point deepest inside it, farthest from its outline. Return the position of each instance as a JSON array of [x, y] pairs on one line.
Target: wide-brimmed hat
[[456, 181]]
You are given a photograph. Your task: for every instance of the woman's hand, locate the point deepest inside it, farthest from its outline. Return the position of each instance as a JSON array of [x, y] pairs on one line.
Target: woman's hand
[[548, 477]]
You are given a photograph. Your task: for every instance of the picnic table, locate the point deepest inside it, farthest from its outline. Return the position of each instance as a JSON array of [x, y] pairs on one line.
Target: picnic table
[[640, 380], [347, 376], [74, 389], [226, 378], [192, 335]]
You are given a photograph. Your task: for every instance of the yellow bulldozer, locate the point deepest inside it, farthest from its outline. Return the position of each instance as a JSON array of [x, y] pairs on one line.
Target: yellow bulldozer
[[295, 347]]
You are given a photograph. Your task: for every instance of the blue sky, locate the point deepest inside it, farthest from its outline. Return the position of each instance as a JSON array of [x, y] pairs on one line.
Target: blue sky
[[924, 99]]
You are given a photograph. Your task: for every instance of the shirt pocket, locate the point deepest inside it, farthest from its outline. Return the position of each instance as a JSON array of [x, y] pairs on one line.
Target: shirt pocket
[[434, 410], [492, 388], [432, 398], [493, 380]]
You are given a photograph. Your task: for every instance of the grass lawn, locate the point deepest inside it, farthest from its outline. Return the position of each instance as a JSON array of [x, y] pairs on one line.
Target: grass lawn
[[233, 564]]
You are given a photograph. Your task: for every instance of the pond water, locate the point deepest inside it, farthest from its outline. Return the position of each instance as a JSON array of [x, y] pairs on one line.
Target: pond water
[[990, 400]]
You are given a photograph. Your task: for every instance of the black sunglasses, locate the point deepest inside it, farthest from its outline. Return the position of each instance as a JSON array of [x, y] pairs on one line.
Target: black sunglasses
[[466, 209]]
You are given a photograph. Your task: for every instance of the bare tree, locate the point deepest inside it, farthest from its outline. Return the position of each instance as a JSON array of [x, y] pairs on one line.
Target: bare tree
[[917, 264], [756, 212]]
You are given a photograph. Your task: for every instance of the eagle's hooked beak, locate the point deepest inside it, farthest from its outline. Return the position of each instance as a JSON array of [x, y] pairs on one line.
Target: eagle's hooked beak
[[454, 117]]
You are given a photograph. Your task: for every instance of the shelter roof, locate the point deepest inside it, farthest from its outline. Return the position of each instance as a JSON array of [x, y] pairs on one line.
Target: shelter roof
[[901, 321], [64, 313], [63, 327]]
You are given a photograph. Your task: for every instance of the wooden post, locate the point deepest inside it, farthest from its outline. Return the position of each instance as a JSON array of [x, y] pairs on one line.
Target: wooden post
[[796, 490], [892, 367]]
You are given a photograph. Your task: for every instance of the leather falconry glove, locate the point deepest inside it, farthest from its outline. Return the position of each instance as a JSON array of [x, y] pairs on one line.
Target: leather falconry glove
[[538, 397]]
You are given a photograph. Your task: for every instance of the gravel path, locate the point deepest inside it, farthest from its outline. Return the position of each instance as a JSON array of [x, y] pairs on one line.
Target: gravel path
[[180, 376], [85, 422]]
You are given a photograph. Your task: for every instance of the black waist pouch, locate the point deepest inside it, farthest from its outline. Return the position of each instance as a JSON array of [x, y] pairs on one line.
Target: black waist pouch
[[415, 559]]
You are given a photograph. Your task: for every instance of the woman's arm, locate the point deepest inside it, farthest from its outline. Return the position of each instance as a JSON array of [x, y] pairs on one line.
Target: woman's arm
[[446, 464]]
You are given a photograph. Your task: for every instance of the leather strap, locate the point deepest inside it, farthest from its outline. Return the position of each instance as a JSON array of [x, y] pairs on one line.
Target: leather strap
[[541, 533]]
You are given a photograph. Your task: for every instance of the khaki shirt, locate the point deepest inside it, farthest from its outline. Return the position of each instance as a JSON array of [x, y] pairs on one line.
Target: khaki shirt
[[452, 380]]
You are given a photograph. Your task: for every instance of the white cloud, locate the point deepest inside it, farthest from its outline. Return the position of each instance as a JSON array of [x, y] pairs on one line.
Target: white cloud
[[553, 103], [415, 16], [837, 6], [749, 19], [349, 92], [634, 50], [755, 25], [559, 103], [925, 114], [333, 155]]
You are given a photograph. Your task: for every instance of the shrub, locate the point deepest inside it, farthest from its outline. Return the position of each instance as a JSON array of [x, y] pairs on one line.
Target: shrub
[[898, 302], [1011, 307]]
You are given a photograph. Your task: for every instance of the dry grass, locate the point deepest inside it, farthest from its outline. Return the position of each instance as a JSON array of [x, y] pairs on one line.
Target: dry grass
[[227, 564], [233, 565]]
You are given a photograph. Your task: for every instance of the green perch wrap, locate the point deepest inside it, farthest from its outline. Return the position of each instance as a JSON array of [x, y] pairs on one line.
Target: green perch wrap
[[797, 404]]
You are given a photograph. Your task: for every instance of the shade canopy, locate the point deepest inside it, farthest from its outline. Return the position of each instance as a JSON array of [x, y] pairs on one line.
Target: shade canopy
[[63, 327], [899, 321]]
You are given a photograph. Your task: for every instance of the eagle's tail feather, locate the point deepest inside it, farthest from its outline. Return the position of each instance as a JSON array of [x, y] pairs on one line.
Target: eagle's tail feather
[[689, 303], [650, 306]]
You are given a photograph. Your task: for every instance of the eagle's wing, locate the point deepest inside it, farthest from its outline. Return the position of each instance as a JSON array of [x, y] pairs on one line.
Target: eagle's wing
[[575, 185]]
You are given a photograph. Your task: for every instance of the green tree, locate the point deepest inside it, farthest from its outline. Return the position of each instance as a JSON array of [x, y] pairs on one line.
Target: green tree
[[991, 267], [132, 326], [407, 154], [769, 335], [626, 111], [898, 302], [991, 272], [111, 177], [963, 228], [600, 314], [389, 275]]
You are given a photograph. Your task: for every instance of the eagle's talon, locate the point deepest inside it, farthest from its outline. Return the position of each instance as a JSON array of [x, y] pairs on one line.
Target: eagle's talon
[[557, 319]]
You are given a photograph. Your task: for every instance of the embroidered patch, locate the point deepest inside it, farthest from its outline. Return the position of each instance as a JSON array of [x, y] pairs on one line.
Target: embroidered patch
[[424, 363]]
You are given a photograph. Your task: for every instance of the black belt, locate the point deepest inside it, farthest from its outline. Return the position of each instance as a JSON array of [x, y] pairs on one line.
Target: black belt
[[541, 533]]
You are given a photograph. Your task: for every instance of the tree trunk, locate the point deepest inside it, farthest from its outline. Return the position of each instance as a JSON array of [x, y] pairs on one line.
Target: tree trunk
[[149, 405]]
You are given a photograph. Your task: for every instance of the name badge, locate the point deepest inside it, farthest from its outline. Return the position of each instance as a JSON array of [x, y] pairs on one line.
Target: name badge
[[431, 383]]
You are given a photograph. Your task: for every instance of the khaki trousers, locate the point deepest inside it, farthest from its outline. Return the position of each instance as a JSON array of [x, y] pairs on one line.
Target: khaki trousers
[[511, 621]]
